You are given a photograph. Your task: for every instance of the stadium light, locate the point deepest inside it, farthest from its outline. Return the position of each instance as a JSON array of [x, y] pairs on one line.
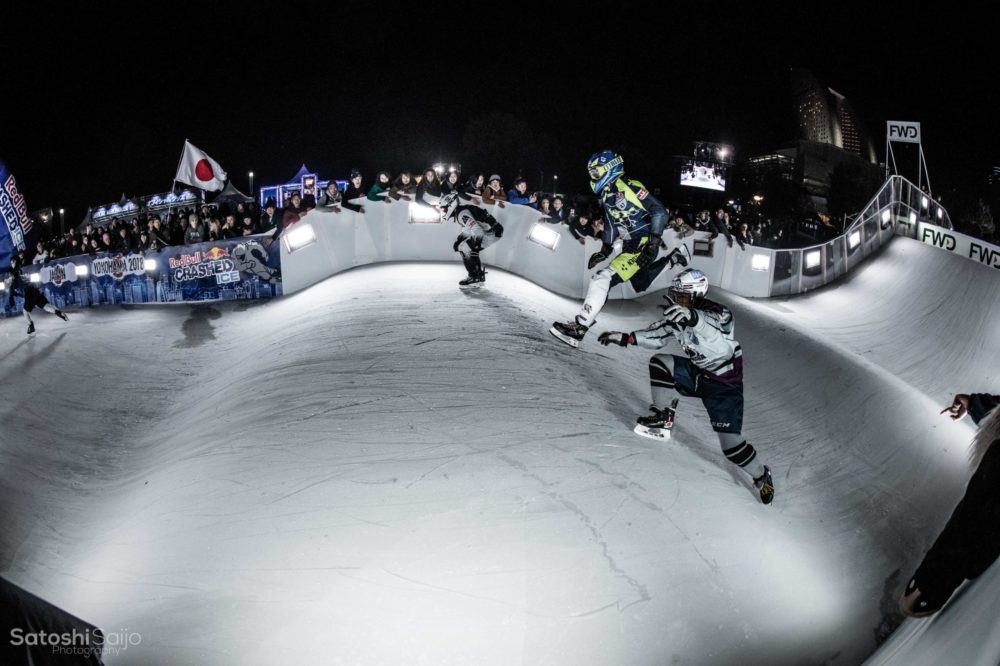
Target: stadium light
[[300, 236], [812, 259], [149, 265], [760, 262], [757, 199], [854, 239], [544, 236]]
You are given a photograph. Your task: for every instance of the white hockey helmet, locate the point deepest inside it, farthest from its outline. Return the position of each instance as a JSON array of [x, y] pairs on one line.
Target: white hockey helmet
[[688, 287]]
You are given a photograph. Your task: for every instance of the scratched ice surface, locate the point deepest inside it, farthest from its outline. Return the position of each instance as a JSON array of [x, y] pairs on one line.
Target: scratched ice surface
[[382, 469]]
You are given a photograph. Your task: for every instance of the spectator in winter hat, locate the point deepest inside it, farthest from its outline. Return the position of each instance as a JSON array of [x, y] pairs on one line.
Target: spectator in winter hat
[[493, 192]]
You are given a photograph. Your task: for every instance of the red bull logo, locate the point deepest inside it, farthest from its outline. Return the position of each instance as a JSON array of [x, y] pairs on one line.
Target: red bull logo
[[215, 254]]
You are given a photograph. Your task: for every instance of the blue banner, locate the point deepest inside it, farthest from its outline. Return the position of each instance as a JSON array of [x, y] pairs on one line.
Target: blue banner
[[16, 234], [233, 269]]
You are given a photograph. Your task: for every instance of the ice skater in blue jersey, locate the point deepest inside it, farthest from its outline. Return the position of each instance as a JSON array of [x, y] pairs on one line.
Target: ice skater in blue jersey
[[712, 369], [635, 221]]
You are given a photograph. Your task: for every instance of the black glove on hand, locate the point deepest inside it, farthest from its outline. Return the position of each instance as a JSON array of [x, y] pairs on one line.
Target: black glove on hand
[[498, 230], [616, 337], [596, 258], [457, 243], [649, 251]]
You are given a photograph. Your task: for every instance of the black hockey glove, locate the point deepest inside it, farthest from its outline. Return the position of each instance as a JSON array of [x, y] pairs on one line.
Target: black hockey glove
[[620, 339], [649, 251], [458, 241], [600, 256], [498, 230]]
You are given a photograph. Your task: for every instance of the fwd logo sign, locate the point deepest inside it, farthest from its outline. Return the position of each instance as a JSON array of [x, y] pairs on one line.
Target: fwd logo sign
[[942, 239], [899, 130], [986, 255]]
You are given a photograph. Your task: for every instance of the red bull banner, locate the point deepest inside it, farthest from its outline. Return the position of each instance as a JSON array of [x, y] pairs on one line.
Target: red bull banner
[[235, 269]]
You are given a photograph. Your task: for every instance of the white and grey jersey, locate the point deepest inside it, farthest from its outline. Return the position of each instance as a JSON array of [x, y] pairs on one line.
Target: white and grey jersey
[[709, 342]]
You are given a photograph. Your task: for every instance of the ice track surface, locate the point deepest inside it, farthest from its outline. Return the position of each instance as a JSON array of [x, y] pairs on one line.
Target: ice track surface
[[384, 469]]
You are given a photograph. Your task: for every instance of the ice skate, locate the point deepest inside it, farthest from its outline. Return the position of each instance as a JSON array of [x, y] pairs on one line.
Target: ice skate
[[571, 333], [473, 281], [658, 424], [62, 315], [765, 485], [31, 328], [477, 275]]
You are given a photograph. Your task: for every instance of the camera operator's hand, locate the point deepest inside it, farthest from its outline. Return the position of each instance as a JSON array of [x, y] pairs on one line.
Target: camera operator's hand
[[959, 407]]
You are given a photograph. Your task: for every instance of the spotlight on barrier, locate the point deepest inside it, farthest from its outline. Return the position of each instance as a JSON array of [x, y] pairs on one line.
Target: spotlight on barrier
[[299, 237], [854, 239], [760, 262], [544, 236], [420, 214]]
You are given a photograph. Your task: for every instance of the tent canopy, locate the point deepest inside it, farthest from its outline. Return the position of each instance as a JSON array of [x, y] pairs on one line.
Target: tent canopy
[[231, 195]]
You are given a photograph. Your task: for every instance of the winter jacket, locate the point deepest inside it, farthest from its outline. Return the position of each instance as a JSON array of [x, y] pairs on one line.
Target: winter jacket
[[970, 541], [350, 194]]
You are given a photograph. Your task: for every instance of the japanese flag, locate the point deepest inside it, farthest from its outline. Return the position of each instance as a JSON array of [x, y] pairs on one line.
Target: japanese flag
[[198, 169]]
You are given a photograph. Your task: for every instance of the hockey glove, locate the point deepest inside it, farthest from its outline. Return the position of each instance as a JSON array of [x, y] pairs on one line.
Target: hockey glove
[[621, 339], [600, 256], [649, 251], [498, 230], [458, 242], [678, 315]]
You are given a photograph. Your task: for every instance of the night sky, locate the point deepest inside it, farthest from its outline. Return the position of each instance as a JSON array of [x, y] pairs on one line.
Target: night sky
[[97, 103]]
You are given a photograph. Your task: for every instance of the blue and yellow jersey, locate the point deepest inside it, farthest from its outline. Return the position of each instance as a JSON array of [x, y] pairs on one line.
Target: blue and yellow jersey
[[631, 211]]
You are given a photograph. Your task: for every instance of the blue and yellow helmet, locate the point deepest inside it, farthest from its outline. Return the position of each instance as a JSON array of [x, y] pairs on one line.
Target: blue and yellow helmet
[[604, 168]]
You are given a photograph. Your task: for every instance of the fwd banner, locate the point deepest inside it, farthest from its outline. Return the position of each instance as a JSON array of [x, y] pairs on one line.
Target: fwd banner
[[902, 130], [16, 234], [967, 246]]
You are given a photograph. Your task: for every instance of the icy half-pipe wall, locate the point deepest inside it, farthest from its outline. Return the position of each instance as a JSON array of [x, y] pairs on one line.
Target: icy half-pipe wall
[[384, 233]]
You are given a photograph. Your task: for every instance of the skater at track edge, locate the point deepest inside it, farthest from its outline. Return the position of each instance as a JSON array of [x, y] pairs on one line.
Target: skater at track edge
[[479, 231], [635, 218], [16, 285], [712, 371]]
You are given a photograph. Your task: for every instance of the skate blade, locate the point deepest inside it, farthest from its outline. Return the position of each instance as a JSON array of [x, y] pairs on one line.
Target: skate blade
[[652, 433], [572, 342], [476, 285]]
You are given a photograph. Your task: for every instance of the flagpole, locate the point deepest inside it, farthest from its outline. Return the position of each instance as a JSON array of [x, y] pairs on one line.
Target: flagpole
[[183, 153]]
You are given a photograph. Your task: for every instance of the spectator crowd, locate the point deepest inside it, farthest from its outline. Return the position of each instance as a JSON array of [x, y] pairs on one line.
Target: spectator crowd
[[150, 231]]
